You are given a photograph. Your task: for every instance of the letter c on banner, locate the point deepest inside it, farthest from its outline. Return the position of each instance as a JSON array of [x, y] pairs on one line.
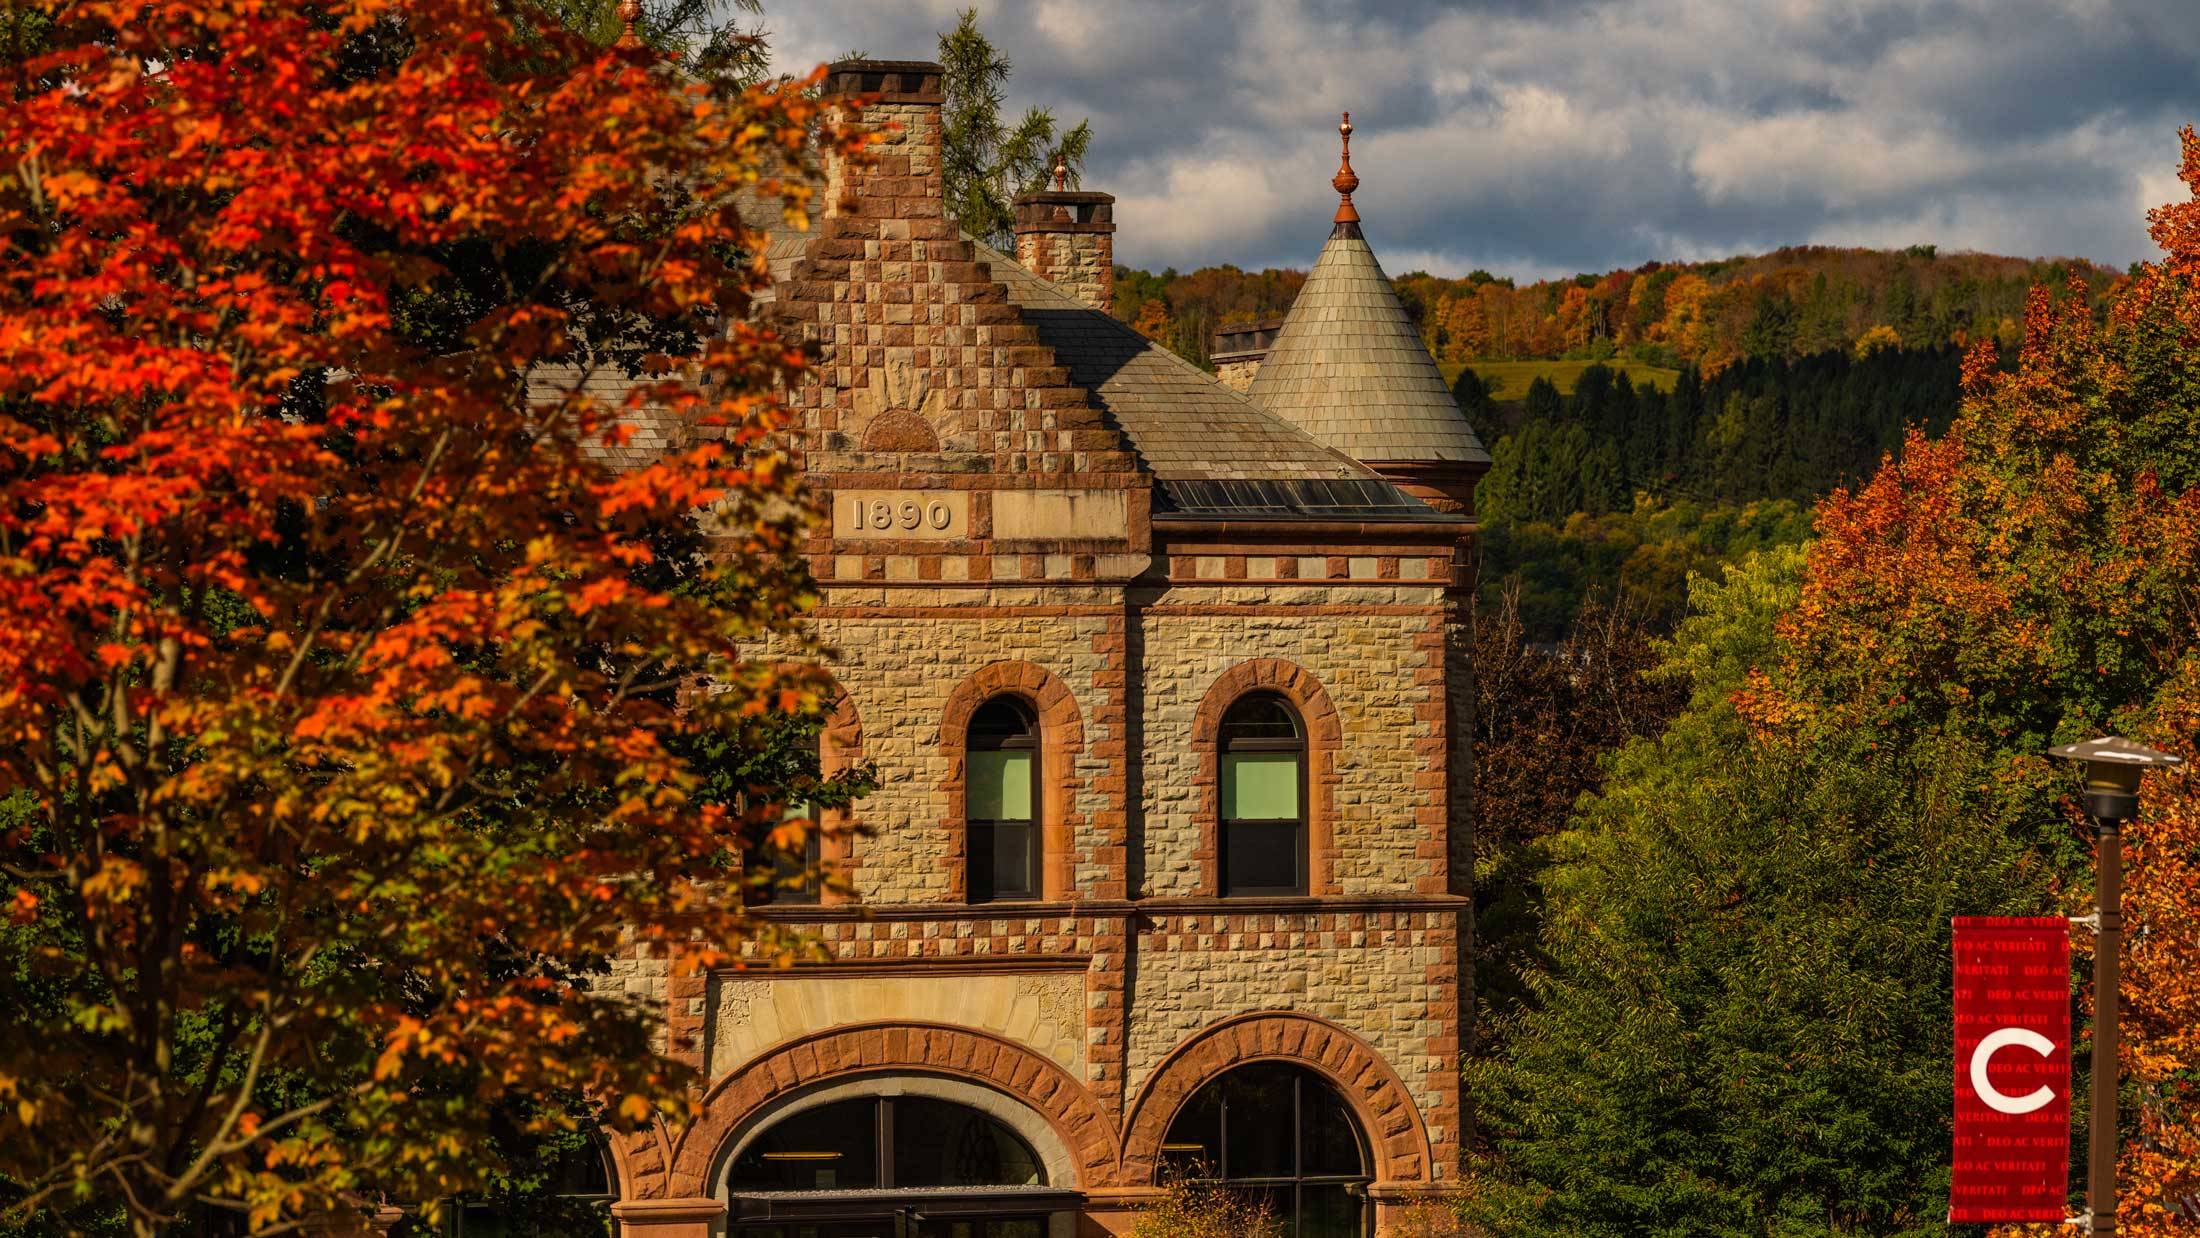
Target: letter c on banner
[[1998, 1101]]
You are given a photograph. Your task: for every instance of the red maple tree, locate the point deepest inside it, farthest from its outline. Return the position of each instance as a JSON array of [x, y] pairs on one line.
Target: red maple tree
[[2034, 577], [346, 694]]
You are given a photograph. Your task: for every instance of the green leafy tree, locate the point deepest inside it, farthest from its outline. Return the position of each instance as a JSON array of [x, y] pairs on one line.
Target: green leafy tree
[[985, 164], [1546, 718], [1741, 1028]]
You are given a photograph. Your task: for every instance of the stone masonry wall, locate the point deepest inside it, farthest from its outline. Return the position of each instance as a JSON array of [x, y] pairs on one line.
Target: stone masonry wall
[[900, 672], [1081, 264], [1378, 653], [1388, 977], [1237, 375], [923, 351]]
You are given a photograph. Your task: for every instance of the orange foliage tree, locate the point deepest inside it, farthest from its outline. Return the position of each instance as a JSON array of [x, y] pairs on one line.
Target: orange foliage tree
[[2034, 577], [348, 698]]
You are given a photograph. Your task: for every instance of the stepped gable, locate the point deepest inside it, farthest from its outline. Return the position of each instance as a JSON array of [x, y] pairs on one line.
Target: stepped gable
[[1349, 368], [1182, 421], [934, 342], [924, 351]]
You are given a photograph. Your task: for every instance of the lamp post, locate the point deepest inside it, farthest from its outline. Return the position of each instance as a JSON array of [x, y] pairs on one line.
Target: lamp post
[[2112, 769]]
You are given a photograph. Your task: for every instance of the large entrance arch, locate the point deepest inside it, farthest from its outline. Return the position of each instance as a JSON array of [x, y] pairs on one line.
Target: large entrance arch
[[674, 1180], [893, 1155]]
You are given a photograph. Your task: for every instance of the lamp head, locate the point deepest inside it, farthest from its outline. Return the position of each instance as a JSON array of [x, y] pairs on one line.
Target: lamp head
[[2113, 766]]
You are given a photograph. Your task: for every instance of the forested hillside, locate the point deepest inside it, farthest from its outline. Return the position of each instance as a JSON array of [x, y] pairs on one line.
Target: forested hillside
[[1792, 303], [1653, 422], [1621, 489], [1732, 1018]]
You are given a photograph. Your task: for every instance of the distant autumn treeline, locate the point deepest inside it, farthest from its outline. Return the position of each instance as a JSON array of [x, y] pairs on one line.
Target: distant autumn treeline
[[1794, 302]]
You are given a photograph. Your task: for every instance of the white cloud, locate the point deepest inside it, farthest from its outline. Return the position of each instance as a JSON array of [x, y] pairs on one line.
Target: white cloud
[[1542, 136], [1834, 158]]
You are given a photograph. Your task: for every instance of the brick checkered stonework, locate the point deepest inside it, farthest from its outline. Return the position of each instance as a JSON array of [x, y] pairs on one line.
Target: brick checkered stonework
[[1028, 503]]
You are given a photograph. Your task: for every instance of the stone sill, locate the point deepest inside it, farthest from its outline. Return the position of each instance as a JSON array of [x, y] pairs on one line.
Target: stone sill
[[1119, 909]]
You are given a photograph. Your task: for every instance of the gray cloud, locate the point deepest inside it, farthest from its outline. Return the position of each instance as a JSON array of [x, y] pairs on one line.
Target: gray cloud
[[1538, 137]]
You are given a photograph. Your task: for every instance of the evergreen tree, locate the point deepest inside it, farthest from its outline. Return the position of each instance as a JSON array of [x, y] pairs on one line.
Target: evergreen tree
[[1543, 402], [984, 163], [1743, 1024], [1477, 398]]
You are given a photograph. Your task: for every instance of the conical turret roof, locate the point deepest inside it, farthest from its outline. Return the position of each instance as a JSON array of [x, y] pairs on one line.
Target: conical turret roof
[[1349, 368]]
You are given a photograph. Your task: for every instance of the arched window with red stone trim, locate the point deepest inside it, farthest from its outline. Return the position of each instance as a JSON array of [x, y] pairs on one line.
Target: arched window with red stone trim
[[1259, 686], [1002, 803], [1262, 801], [1050, 718]]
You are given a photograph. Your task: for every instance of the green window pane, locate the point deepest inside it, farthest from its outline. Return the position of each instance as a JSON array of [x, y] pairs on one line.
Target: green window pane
[[1000, 786], [1260, 786]]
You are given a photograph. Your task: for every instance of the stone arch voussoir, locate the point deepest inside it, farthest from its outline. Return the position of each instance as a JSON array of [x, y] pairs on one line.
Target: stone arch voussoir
[[1387, 1114], [660, 1164]]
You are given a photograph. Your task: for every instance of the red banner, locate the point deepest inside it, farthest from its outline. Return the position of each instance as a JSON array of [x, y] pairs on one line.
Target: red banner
[[2012, 1159]]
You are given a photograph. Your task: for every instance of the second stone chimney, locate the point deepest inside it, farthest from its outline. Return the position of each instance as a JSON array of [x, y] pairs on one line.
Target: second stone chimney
[[1238, 349], [1067, 237], [900, 175]]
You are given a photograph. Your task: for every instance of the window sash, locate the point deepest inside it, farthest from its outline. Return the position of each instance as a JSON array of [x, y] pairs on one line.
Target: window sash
[[1001, 819], [1263, 786], [1244, 839], [1001, 784], [1262, 809], [1003, 861], [785, 878], [800, 882]]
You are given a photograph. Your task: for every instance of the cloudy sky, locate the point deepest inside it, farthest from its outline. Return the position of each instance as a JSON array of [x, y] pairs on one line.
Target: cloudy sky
[[1541, 137]]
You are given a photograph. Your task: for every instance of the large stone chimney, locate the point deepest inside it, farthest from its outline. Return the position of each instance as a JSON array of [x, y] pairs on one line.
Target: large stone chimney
[[1067, 238], [900, 178]]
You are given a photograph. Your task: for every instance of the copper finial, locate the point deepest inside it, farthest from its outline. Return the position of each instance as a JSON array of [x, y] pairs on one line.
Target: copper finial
[[1346, 180], [1061, 185], [630, 11]]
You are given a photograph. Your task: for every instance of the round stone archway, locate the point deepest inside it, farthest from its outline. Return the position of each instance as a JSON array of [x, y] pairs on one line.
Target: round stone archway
[[1386, 1112], [669, 1164]]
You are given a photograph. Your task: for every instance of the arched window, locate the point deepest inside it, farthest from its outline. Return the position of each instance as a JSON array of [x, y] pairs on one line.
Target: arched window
[[788, 874], [1263, 828], [886, 1143], [1280, 1134], [1001, 801], [797, 876]]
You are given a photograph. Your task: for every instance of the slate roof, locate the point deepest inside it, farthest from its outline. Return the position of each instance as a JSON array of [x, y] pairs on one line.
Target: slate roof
[[1183, 423], [786, 242], [655, 433], [1349, 368]]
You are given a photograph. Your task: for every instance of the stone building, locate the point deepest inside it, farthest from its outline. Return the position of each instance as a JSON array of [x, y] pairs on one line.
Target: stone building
[[1168, 870]]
